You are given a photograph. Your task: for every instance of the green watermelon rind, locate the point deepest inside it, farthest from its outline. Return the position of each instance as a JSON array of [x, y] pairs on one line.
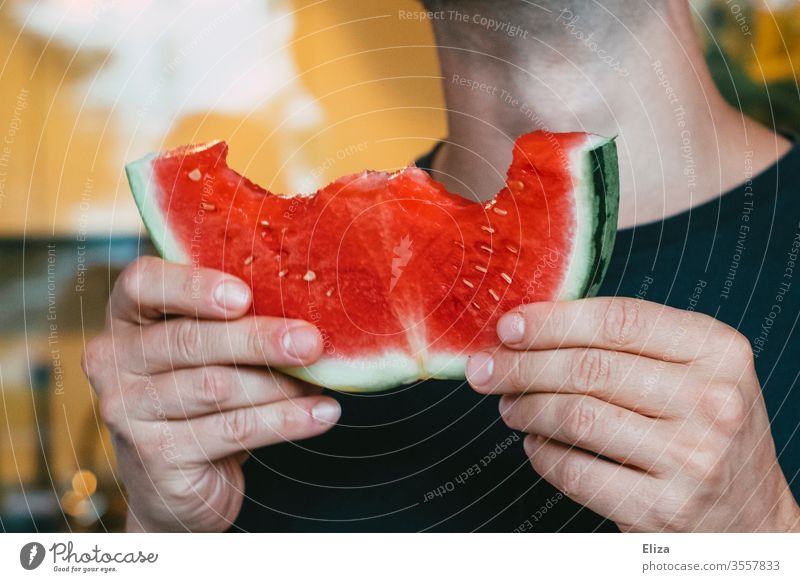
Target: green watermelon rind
[[606, 179], [595, 175], [596, 181]]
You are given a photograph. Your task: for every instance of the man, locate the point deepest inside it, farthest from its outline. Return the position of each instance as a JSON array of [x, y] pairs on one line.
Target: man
[[630, 411]]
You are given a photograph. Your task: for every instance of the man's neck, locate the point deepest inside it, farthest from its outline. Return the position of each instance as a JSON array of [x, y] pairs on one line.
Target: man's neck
[[679, 143]]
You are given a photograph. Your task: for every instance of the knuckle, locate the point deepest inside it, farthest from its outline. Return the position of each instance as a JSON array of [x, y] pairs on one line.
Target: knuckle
[[733, 414], [679, 521], [520, 372], [255, 340], [186, 340], [729, 345], [725, 407], [286, 421], [669, 511], [570, 475], [591, 369], [555, 317], [216, 385], [580, 419], [191, 288], [508, 410], [699, 459], [622, 322], [715, 475], [239, 426], [134, 276], [741, 349], [703, 465]]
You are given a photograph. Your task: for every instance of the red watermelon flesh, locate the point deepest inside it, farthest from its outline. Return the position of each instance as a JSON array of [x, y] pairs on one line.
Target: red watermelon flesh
[[403, 278]]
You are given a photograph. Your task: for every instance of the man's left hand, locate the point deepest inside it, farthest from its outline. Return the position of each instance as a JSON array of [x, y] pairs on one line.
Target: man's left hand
[[648, 415]]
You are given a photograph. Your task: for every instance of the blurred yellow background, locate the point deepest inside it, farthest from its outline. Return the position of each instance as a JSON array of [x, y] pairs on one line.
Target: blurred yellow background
[[361, 75], [303, 91]]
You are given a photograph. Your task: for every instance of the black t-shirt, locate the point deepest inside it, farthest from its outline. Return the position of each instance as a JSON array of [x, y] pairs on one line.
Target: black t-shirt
[[436, 456]]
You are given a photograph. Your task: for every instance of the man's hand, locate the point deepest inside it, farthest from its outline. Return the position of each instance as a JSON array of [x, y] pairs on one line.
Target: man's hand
[[184, 388], [669, 399]]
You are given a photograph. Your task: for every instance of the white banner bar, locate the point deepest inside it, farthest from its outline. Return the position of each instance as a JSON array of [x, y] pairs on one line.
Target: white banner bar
[[401, 558]]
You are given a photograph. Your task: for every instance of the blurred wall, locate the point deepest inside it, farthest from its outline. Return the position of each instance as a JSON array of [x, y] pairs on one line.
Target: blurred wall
[[89, 86]]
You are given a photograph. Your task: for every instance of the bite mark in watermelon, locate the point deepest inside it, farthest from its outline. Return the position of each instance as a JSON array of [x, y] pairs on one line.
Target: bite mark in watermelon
[[403, 278]]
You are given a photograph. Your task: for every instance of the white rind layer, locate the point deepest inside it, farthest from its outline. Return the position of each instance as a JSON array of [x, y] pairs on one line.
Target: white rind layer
[[145, 190], [379, 373]]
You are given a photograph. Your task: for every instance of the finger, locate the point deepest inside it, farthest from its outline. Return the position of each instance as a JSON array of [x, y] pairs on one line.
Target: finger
[[591, 424], [151, 288], [195, 392], [633, 382], [257, 341], [613, 491], [215, 436], [612, 323]]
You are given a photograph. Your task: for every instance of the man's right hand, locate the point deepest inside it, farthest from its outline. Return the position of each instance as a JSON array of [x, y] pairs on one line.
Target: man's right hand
[[183, 385]]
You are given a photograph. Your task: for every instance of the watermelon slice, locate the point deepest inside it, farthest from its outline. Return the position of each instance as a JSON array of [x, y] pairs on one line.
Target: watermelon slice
[[403, 278]]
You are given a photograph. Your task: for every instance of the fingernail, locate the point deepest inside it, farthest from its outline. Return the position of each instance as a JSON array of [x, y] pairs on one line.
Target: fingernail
[[326, 412], [232, 295], [301, 341], [511, 328], [479, 368]]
